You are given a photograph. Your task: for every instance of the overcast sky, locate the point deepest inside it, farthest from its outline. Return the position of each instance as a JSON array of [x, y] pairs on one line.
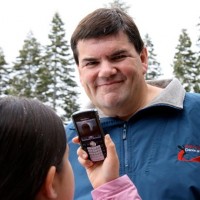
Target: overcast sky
[[162, 20]]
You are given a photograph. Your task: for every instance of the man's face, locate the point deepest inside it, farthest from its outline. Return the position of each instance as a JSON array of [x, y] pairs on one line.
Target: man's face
[[111, 71]]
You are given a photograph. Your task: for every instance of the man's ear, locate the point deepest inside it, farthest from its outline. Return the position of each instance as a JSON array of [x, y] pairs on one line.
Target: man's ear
[[48, 188], [144, 59]]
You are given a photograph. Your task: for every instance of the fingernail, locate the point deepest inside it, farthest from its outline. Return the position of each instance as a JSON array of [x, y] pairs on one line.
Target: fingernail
[[107, 136]]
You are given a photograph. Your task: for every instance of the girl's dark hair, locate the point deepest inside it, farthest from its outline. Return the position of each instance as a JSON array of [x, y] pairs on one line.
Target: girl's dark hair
[[103, 22], [32, 139]]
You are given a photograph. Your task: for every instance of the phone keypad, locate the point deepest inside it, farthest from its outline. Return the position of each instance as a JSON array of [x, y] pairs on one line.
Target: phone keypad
[[95, 153]]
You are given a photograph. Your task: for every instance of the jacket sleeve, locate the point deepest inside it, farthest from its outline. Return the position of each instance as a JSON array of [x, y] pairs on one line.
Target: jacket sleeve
[[120, 188]]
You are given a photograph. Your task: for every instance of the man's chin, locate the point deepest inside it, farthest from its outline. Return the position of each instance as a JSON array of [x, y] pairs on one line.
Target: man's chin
[[108, 104]]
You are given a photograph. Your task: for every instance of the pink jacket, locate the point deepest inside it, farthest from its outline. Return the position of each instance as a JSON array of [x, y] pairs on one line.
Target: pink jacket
[[120, 188]]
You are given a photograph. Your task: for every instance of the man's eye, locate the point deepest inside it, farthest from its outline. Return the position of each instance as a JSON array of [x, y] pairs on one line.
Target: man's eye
[[90, 64], [119, 57]]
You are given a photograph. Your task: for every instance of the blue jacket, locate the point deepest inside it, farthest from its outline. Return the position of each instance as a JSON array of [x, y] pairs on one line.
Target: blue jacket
[[158, 147]]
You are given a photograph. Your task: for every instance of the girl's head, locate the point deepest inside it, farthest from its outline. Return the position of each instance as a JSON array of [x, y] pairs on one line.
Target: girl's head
[[33, 152]]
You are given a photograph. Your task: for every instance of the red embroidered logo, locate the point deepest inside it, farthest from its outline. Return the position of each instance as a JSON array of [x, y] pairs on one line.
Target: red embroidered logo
[[189, 153]]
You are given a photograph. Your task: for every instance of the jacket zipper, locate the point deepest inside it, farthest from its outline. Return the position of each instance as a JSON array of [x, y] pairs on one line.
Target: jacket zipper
[[125, 146]]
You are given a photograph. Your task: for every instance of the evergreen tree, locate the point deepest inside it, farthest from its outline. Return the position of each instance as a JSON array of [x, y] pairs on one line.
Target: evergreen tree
[[44, 78], [62, 86], [197, 86], [154, 69], [184, 63], [24, 76], [4, 74], [118, 4]]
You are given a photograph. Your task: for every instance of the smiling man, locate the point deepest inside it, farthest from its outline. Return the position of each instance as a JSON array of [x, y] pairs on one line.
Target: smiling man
[[107, 67], [146, 120]]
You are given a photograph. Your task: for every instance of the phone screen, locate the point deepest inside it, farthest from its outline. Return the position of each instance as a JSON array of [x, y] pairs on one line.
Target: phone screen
[[90, 134]]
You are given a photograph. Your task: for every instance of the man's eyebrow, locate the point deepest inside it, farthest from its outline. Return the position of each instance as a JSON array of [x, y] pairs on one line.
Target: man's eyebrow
[[118, 52], [88, 60]]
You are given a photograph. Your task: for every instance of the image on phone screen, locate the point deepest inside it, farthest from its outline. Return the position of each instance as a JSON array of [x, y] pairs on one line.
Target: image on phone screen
[[91, 136]]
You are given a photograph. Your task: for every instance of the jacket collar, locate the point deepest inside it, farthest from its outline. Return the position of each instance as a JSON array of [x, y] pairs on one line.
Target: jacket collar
[[172, 95]]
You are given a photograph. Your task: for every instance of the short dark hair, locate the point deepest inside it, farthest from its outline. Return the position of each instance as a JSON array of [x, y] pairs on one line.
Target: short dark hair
[[32, 139], [103, 22]]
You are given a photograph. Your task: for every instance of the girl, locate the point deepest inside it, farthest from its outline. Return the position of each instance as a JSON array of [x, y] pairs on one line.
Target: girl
[[34, 161]]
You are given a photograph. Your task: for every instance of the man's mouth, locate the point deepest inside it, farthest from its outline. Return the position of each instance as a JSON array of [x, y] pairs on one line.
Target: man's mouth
[[107, 83]]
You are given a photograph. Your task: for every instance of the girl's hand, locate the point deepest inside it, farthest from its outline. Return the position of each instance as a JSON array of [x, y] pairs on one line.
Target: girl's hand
[[103, 171]]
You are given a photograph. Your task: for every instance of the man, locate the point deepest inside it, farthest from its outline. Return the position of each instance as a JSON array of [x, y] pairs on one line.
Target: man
[[155, 124]]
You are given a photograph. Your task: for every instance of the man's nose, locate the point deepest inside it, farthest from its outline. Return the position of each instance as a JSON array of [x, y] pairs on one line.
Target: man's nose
[[107, 69]]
